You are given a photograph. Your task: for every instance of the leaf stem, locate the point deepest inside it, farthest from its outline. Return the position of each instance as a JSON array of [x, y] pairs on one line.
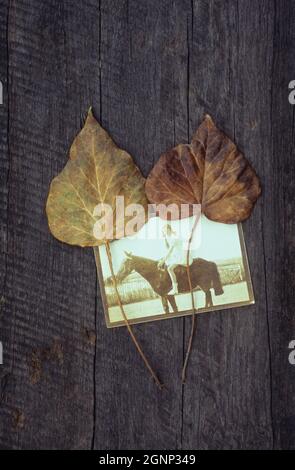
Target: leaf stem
[[138, 347], [193, 325]]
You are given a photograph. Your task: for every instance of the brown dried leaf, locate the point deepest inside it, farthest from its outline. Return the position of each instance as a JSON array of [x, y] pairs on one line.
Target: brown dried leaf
[[96, 173], [210, 171]]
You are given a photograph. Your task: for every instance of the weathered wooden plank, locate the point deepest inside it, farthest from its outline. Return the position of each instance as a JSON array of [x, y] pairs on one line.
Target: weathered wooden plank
[[151, 69], [228, 402], [278, 226], [144, 105], [49, 311], [4, 174], [3, 139]]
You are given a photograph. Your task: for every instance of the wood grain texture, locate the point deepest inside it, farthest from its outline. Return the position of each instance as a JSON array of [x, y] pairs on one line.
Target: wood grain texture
[[278, 227], [230, 370], [143, 86], [151, 70], [4, 175], [48, 315]]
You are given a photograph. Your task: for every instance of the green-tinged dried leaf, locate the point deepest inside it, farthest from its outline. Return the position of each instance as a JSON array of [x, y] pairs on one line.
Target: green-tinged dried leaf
[[210, 171], [96, 173]]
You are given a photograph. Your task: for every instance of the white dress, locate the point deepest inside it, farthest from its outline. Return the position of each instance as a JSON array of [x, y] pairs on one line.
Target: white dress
[[178, 253]]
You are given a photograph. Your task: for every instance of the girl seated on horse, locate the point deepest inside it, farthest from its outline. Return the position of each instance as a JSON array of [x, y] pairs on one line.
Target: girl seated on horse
[[176, 255]]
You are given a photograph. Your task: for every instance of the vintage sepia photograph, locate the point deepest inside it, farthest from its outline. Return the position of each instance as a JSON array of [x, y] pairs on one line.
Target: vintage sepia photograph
[[151, 271]]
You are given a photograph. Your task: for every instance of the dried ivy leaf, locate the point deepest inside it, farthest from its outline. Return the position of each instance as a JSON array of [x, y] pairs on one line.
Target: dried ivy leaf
[[210, 171], [96, 173]]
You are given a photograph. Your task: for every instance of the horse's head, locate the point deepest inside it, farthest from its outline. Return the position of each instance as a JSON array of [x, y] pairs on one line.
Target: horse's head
[[126, 267]]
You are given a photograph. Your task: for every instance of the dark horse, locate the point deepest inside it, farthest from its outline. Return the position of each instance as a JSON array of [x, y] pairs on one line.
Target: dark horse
[[204, 274]]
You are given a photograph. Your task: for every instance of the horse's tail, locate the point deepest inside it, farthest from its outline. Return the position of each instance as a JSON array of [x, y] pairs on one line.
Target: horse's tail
[[218, 289]]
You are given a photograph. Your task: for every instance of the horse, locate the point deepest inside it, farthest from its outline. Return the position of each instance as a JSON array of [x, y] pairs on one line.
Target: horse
[[204, 274]]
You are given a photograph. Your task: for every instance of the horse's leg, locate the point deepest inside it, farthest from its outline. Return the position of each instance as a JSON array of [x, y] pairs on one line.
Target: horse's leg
[[165, 304], [172, 302], [209, 302]]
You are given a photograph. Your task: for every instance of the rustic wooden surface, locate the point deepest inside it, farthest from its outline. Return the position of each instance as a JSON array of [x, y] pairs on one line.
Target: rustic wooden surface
[[151, 69]]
